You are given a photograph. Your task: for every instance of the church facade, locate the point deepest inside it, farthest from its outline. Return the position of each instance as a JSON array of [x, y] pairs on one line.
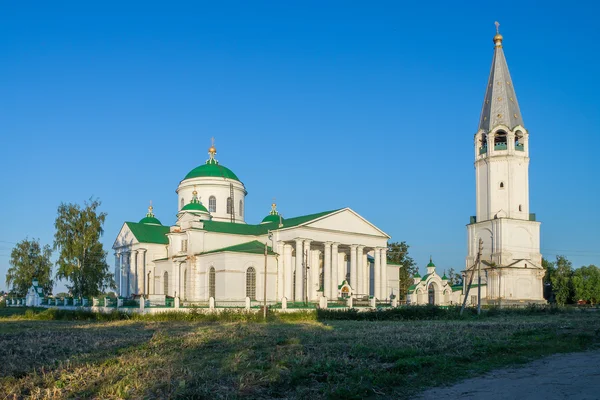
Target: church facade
[[211, 252]]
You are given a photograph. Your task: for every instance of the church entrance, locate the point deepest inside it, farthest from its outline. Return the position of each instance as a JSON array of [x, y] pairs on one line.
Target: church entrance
[[431, 292]]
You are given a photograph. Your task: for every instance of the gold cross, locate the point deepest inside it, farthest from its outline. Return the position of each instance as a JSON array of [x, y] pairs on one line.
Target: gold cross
[[497, 26]]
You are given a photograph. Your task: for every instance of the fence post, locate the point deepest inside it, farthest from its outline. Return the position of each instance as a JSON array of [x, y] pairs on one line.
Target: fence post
[[373, 302], [284, 303], [322, 302], [142, 304], [176, 302], [248, 303], [211, 303], [394, 302], [349, 302]]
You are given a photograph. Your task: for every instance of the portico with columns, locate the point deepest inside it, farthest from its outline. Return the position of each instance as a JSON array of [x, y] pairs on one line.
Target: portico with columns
[[212, 252]]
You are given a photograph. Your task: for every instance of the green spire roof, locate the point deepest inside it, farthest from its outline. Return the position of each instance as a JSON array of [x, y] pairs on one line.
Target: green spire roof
[[431, 264], [195, 204], [150, 219]]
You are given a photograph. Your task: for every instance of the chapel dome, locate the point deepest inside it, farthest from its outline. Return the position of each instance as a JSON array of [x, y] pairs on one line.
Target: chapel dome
[[195, 205], [211, 170], [273, 216], [150, 219]]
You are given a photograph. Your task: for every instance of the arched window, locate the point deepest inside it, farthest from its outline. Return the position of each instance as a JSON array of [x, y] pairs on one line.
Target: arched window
[[229, 206], [501, 185], [500, 141], [241, 211], [166, 283], [212, 204], [520, 208], [211, 282], [519, 145], [182, 203], [184, 284], [251, 283]]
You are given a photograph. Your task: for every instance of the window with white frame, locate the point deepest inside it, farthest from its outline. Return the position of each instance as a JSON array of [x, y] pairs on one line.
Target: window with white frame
[[211, 282], [166, 283], [229, 206], [241, 211], [212, 204], [251, 283]]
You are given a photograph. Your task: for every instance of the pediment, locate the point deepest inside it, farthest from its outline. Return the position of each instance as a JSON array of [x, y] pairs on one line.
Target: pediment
[[125, 238], [348, 221]]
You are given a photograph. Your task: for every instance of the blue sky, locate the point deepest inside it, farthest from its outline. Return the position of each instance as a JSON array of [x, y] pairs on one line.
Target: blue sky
[[323, 105]]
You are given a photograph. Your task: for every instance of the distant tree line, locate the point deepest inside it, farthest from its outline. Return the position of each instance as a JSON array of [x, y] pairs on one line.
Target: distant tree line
[[81, 259], [565, 285]]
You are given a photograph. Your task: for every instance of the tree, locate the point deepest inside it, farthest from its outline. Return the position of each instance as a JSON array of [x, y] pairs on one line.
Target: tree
[[561, 280], [550, 272], [586, 284], [454, 278], [28, 260], [398, 254], [82, 259]]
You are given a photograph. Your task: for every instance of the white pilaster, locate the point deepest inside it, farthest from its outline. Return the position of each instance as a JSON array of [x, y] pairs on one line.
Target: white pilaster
[[327, 270], [143, 283], [366, 274], [118, 272]]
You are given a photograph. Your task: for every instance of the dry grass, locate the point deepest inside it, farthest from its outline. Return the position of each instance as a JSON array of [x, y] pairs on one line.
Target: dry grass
[[351, 359]]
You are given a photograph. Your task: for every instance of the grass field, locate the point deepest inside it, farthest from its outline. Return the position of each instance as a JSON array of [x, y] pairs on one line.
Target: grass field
[[295, 359]]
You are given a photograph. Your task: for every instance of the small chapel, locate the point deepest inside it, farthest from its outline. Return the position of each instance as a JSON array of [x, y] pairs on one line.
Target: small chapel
[[212, 252]]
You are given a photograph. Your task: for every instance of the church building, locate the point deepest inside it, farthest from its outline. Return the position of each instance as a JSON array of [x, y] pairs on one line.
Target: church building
[[211, 252]]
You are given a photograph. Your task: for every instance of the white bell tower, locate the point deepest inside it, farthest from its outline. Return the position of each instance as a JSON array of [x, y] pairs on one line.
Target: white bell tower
[[511, 258]]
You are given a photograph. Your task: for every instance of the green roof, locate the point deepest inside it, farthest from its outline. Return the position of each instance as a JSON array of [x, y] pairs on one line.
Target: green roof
[[271, 218], [253, 247], [260, 229], [417, 275], [211, 170], [150, 220], [412, 287], [425, 277], [456, 288], [194, 207], [146, 233]]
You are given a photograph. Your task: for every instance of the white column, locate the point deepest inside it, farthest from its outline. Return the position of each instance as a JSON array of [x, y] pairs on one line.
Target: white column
[[289, 272], [327, 270], [366, 273], [129, 264], [385, 292], [360, 277], [377, 275], [175, 275], [299, 272], [118, 272], [353, 270], [280, 271], [307, 269], [143, 284], [334, 271]]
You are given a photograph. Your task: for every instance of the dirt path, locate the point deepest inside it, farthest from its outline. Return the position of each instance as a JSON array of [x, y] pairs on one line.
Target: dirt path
[[561, 376]]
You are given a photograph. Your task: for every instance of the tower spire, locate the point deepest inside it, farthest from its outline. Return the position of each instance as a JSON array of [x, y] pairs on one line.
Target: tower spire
[[500, 106]]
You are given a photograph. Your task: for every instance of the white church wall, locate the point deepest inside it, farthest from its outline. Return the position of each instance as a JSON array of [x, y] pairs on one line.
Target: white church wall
[[218, 187]]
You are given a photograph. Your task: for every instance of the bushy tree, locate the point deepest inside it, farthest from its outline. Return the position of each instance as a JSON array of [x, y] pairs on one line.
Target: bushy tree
[[398, 254], [550, 272], [561, 280], [586, 284], [454, 278], [28, 260], [82, 259]]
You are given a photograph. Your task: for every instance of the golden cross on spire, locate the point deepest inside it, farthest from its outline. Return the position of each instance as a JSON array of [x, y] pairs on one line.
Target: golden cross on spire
[[212, 139], [497, 26]]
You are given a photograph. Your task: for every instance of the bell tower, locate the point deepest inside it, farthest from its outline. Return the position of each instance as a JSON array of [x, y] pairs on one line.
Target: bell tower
[[502, 220]]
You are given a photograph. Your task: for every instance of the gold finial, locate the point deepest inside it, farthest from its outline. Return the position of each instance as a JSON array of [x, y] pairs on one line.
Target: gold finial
[[498, 37], [150, 209], [212, 149], [274, 207]]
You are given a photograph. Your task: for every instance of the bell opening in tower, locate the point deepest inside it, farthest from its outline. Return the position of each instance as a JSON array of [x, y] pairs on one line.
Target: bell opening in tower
[[500, 141]]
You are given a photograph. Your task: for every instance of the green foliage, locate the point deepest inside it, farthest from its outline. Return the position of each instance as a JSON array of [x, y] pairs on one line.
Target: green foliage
[[586, 284], [398, 254], [454, 278], [82, 259], [550, 269], [561, 280], [28, 260]]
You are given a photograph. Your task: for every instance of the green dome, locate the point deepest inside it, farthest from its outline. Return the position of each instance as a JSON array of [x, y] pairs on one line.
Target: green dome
[[150, 221], [211, 170], [194, 207], [271, 218]]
